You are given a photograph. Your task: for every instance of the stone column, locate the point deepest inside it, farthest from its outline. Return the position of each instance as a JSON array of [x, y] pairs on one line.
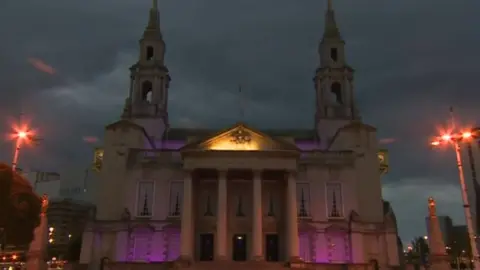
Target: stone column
[[292, 219], [186, 236], [257, 215], [221, 245]]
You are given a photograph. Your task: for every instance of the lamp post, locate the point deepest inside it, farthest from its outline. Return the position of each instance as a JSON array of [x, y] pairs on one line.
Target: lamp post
[[455, 139], [22, 135]]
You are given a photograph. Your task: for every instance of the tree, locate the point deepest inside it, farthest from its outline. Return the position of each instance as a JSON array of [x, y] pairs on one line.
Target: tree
[[19, 208], [421, 249]]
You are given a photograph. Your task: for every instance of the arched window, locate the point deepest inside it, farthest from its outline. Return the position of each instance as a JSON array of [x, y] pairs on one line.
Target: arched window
[[336, 91], [334, 54], [149, 54], [147, 88]]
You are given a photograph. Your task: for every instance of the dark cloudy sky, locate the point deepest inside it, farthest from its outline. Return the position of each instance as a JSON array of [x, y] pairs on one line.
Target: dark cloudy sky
[[64, 64]]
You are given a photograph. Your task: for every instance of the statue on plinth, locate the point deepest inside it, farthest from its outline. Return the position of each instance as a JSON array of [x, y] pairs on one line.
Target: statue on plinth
[[38, 247], [438, 258], [432, 209], [44, 204]]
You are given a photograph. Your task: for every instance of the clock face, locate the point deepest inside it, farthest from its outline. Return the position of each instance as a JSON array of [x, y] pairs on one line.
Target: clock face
[[381, 158]]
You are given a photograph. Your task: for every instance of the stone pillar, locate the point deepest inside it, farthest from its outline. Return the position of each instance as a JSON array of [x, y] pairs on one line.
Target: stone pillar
[[221, 245], [257, 215], [37, 251], [292, 219], [438, 258], [186, 236]]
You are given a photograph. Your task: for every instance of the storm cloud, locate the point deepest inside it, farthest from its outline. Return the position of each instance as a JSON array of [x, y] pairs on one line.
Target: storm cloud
[[65, 65]]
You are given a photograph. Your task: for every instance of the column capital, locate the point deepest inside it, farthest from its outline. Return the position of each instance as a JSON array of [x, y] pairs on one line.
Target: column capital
[[187, 173], [222, 173], [291, 174], [257, 172]]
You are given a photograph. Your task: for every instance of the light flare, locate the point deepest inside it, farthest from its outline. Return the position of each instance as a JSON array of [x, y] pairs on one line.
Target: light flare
[[446, 137]]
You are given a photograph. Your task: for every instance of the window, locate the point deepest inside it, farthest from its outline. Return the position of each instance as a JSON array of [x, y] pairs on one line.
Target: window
[[149, 54], [147, 88], [334, 54], [334, 200], [239, 211], [303, 200], [336, 91], [271, 206], [145, 198], [176, 199], [208, 207]]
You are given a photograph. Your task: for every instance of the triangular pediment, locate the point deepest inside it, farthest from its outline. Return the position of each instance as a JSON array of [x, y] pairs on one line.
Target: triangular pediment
[[240, 138]]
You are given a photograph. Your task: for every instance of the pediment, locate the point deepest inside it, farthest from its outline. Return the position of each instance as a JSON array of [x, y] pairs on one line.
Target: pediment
[[240, 138]]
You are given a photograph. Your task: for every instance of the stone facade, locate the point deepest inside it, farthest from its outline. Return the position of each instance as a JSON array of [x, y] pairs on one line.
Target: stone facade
[[240, 197]]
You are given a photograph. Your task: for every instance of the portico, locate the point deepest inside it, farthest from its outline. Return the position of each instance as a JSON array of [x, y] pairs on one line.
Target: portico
[[236, 215], [238, 175]]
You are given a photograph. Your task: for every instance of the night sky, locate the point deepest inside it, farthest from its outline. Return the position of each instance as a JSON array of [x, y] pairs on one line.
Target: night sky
[[64, 64]]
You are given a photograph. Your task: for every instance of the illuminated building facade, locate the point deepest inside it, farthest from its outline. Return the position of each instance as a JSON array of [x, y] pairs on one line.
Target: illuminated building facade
[[241, 194]]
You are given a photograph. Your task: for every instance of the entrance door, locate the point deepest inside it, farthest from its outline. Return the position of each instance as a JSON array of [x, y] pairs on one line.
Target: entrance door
[[271, 247], [206, 247], [239, 247]]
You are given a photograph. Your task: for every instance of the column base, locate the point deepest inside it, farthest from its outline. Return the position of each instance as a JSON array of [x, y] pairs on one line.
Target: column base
[[439, 262], [221, 257], [258, 258], [183, 261], [296, 262]]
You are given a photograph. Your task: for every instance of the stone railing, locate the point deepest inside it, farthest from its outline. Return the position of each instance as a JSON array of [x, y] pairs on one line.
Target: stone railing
[[142, 156], [328, 157]]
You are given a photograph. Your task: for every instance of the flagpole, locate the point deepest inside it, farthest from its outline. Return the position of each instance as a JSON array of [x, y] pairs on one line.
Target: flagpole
[[241, 103]]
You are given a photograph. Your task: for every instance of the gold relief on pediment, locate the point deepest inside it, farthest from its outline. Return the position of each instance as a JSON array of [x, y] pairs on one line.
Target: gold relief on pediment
[[239, 139]]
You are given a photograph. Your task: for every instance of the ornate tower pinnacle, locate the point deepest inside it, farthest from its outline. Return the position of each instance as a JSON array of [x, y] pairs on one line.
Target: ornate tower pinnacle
[[331, 30], [333, 81], [149, 80]]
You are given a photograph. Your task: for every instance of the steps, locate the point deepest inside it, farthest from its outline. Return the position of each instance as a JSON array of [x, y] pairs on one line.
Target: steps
[[232, 265]]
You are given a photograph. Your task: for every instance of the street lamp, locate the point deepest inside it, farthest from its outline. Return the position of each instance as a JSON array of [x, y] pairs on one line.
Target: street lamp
[[455, 139], [22, 134]]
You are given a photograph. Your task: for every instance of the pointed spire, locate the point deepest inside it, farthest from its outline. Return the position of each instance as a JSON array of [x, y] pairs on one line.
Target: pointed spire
[[331, 29], [153, 26], [334, 212], [176, 212], [303, 209], [145, 211]]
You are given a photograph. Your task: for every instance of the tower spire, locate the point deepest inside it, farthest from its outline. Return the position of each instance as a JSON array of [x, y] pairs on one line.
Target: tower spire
[[331, 29], [153, 19]]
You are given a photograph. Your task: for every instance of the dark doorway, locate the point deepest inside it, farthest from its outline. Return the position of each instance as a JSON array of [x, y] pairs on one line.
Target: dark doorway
[[271, 247], [239, 247], [206, 247]]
